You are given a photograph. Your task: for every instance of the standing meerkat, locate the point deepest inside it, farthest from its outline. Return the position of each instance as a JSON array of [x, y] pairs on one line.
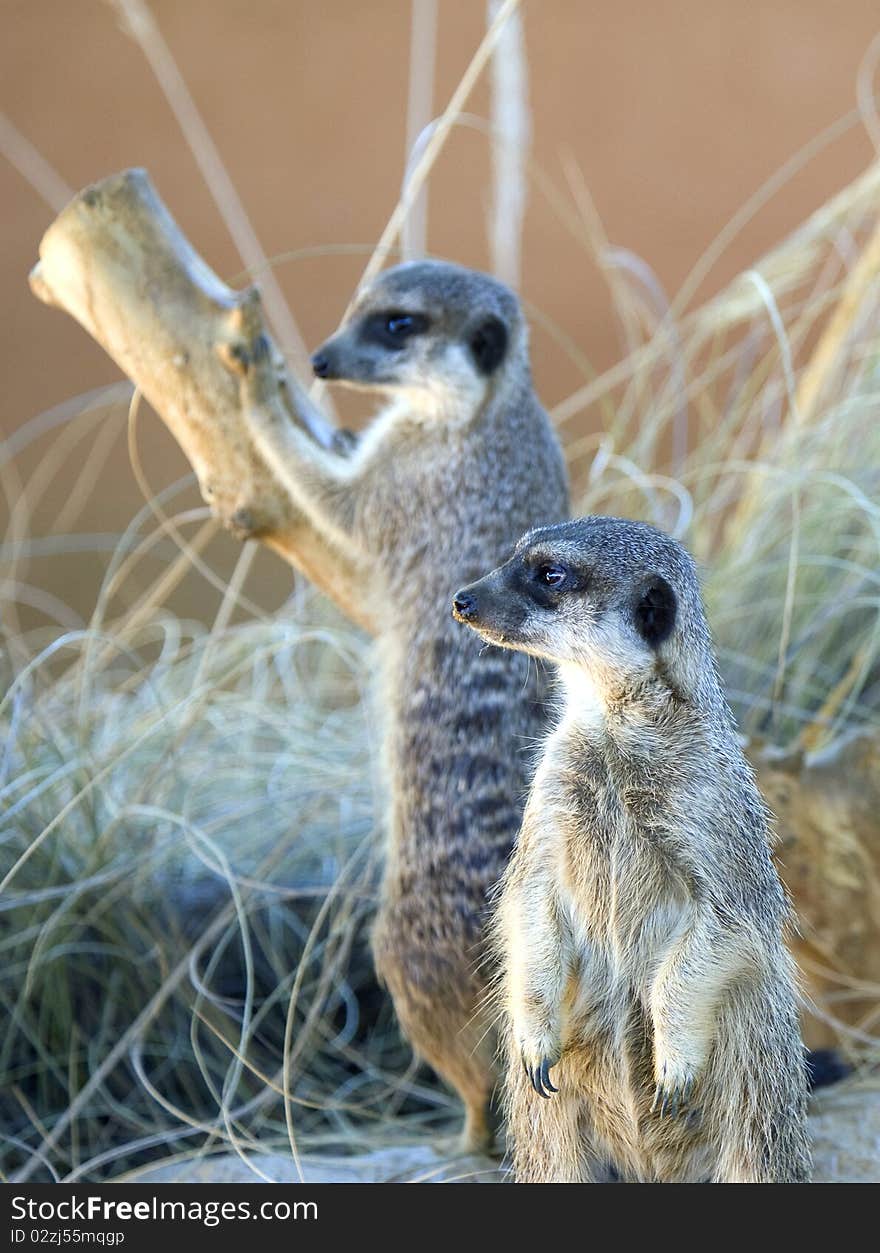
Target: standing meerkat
[[462, 461], [649, 996]]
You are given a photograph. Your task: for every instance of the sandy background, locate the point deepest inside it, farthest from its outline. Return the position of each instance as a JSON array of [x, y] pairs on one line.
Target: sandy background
[[674, 112]]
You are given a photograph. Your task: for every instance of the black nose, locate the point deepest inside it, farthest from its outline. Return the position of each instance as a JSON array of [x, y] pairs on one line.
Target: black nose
[[464, 604], [321, 365]]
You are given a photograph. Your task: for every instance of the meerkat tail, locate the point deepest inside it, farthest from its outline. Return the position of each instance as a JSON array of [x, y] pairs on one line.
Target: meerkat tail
[[762, 1093]]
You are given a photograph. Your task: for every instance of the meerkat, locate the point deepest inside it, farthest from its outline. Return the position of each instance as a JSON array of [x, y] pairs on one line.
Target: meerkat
[[460, 462], [650, 999]]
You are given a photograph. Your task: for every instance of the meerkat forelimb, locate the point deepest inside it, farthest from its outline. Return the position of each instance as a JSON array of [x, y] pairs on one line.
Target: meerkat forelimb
[[538, 958], [640, 921], [322, 480]]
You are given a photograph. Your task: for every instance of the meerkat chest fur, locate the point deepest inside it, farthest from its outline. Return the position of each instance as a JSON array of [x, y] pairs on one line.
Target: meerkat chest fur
[[453, 491], [450, 475], [630, 788], [443, 488]]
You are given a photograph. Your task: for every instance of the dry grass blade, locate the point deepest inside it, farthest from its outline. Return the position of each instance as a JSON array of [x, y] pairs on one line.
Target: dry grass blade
[[142, 25], [511, 126], [434, 146], [33, 166], [422, 56]]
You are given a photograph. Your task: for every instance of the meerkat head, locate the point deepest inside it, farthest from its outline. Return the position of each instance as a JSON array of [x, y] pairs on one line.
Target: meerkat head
[[428, 328], [616, 599]]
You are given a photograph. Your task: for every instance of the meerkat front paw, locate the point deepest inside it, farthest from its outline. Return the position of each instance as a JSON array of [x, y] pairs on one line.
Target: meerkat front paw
[[674, 1088]]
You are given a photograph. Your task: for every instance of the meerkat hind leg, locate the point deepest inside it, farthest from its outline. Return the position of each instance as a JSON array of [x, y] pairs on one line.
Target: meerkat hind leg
[[459, 1058], [456, 1042], [478, 1133], [473, 1079]]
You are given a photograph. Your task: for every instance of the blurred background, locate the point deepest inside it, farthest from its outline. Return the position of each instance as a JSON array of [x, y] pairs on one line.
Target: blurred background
[[672, 115]]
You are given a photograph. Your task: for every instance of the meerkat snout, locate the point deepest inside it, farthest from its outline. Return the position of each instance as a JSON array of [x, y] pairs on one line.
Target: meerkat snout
[[488, 608], [321, 365], [464, 606]]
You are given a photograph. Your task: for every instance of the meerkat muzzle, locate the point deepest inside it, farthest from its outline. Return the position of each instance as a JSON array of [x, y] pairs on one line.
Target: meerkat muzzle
[[464, 606]]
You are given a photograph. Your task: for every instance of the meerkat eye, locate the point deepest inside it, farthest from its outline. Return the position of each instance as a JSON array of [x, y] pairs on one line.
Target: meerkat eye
[[392, 328], [552, 575], [399, 324], [403, 325]]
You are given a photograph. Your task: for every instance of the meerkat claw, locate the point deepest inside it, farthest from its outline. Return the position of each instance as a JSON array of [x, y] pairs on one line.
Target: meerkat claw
[[545, 1076], [673, 1101], [539, 1077]]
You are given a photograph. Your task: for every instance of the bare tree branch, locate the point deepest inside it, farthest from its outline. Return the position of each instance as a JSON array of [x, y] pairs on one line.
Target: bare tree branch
[[117, 262]]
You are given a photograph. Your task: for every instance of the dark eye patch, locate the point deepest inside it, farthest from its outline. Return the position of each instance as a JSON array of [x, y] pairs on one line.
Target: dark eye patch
[[391, 328], [546, 581]]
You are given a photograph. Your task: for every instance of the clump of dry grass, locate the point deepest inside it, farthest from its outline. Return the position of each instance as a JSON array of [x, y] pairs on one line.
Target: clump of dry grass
[[187, 868]]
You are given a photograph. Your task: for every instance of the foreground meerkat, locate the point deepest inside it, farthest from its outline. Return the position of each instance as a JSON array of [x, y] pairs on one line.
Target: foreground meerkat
[[649, 995], [449, 475]]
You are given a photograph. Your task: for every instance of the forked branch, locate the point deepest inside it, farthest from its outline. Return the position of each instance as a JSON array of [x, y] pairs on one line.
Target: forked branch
[[117, 262]]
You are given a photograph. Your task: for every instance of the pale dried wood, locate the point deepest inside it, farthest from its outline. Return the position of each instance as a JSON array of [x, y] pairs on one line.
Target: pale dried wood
[[117, 262]]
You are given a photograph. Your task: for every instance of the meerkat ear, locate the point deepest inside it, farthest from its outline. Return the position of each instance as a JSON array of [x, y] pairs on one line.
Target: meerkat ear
[[656, 608], [488, 344]]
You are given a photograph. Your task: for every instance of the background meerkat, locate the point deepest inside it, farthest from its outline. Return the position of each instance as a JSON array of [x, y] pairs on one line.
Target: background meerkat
[[450, 474], [640, 921]]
